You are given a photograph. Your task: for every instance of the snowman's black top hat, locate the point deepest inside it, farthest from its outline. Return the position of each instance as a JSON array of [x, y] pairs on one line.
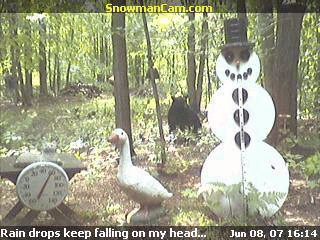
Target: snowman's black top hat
[[236, 33]]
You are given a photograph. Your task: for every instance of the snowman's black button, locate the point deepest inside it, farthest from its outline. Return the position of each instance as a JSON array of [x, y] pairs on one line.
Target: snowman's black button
[[236, 116], [235, 95], [246, 139]]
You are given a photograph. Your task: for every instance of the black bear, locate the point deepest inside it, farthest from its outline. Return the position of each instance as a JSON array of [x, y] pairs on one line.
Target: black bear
[[180, 114]]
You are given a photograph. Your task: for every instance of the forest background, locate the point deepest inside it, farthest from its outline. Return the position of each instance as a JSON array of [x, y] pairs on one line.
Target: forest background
[[61, 73]]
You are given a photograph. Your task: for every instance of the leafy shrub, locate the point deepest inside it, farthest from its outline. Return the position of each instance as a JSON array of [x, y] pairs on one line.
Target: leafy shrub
[[311, 165]]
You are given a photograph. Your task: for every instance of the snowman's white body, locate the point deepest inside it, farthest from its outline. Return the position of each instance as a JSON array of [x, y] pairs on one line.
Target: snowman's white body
[[258, 169]]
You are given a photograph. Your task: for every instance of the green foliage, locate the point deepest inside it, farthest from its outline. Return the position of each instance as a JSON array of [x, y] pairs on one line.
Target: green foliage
[[65, 122], [84, 41], [108, 210], [191, 218], [293, 160], [143, 110], [257, 201], [70, 37], [190, 193], [311, 166], [309, 91], [313, 184]]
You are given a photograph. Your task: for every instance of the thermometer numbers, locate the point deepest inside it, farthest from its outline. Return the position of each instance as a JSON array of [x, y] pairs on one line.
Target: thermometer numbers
[[42, 186]]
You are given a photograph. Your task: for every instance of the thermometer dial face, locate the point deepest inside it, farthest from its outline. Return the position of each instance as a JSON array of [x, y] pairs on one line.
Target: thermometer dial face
[[42, 186]]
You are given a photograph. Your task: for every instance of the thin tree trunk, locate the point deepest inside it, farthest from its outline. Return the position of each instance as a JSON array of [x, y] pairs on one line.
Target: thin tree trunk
[[318, 42], [58, 76], [27, 62], [191, 78], [25, 98], [203, 48], [68, 74], [137, 69], [69, 62], [155, 91], [209, 82], [173, 70], [43, 60]]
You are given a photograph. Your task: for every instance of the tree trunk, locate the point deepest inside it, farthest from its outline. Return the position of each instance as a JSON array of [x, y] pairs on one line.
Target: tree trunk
[[137, 69], [69, 62], [317, 97], [288, 49], [266, 28], [28, 76], [155, 91], [68, 74], [16, 65], [121, 85], [53, 83], [50, 70], [28, 61], [209, 86], [2, 50], [58, 76], [191, 77], [43, 60], [281, 68], [26, 101], [11, 78], [203, 56], [103, 51], [173, 68]]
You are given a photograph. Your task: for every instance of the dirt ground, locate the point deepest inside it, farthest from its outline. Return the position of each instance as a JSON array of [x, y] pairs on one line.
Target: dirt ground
[[97, 199]]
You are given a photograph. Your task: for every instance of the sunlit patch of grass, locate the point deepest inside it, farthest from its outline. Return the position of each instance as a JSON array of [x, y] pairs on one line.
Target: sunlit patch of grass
[[191, 218], [190, 193], [62, 121], [180, 161], [95, 172], [110, 212]]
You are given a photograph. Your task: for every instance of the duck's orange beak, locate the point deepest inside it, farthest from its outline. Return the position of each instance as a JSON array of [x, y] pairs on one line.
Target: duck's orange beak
[[114, 139]]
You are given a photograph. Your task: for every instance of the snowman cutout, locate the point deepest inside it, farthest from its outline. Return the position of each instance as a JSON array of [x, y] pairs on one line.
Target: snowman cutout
[[243, 175]]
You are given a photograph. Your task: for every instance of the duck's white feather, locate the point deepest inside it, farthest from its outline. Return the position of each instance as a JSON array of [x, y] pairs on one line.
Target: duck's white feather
[[136, 182]]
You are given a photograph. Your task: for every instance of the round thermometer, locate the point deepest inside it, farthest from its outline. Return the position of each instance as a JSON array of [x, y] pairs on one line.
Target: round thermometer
[[42, 186]]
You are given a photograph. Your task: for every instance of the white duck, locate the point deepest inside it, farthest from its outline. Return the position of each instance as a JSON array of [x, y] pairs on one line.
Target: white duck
[[137, 183]]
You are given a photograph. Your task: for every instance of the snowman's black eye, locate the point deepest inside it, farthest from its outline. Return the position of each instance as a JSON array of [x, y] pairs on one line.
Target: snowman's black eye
[[245, 55], [229, 56]]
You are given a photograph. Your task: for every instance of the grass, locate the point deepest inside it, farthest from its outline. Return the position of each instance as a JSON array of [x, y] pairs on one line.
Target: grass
[[63, 121]]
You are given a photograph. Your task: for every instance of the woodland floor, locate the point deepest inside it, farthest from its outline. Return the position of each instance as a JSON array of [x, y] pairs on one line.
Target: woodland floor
[[98, 204], [97, 199]]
